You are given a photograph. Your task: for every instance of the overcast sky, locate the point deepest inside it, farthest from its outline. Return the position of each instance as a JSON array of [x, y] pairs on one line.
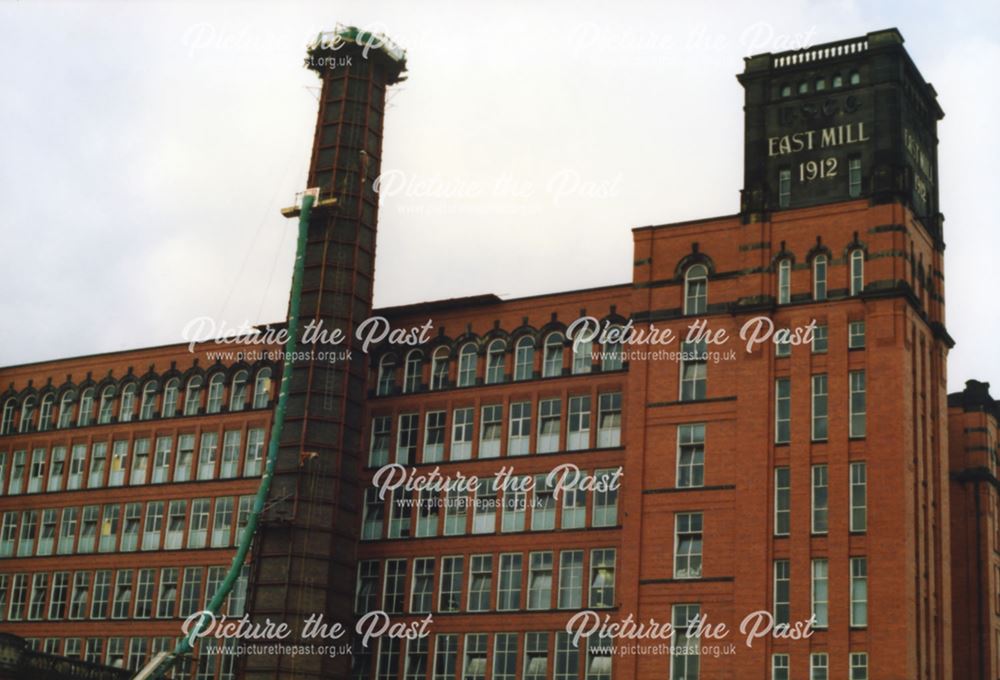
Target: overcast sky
[[147, 149]]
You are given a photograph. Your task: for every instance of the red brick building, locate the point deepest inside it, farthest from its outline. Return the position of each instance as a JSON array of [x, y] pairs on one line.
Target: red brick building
[[802, 478]]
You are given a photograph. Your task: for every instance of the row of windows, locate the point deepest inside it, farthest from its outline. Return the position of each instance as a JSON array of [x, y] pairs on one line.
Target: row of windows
[[819, 666], [148, 461], [521, 438], [820, 592], [113, 405], [472, 656], [153, 525], [820, 84], [820, 403], [165, 593], [821, 339], [524, 503], [133, 653], [551, 362], [696, 275], [567, 579], [820, 499]]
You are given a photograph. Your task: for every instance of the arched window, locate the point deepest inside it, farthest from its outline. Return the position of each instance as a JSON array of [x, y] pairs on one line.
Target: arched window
[[66, 409], [27, 412], [238, 391], [855, 78], [838, 80], [192, 396], [786, 90], [171, 393], [45, 414], [216, 386], [857, 271], [494, 361], [7, 423], [553, 357], [583, 356], [611, 351], [784, 281], [412, 370], [127, 409], [467, 365], [696, 289], [439, 368], [524, 358], [819, 277], [803, 87], [148, 405], [107, 406], [86, 415], [386, 375], [262, 388]]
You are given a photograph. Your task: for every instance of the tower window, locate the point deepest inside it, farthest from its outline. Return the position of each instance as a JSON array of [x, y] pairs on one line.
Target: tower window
[[854, 177], [784, 188], [855, 78], [838, 80], [820, 84], [786, 90], [803, 87]]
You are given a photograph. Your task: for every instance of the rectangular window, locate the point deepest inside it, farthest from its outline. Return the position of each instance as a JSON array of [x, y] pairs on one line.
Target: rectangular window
[[779, 667], [109, 528], [130, 527], [230, 454], [456, 510], [784, 188], [39, 592], [29, 531], [536, 656], [690, 455], [543, 510], [819, 277], [782, 501], [153, 528], [254, 464], [782, 410], [578, 432], [694, 367], [400, 506], [176, 516], [88, 530], [820, 403], [8, 534], [567, 658], [505, 656], [56, 469], [47, 535], [819, 666], [222, 522], [859, 666], [602, 578], [119, 454], [509, 587], [36, 475], [450, 592], [474, 662], [161, 460], [461, 434], [67, 532], [549, 425], [140, 462], [81, 595], [856, 335], [574, 501], [392, 587], [102, 594], [540, 580], [374, 511], [416, 659], [366, 594], [820, 500], [515, 501], [489, 431], [18, 597], [207, 454], [445, 657], [684, 661], [605, 499], [484, 518], [854, 177], [821, 341], [121, 605], [198, 530], [434, 435], [782, 591], [784, 281], [191, 592], [820, 595], [570, 579], [857, 403], [859, 592], [859, 497], [98, 458], [519, 436], [422, 588], [60, 596], [609, 420], [428, 506], [687, 545], [480, 582], [406, 441]]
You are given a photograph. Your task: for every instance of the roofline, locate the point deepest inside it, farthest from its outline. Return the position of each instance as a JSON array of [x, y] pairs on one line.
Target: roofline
[[700, 220]]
